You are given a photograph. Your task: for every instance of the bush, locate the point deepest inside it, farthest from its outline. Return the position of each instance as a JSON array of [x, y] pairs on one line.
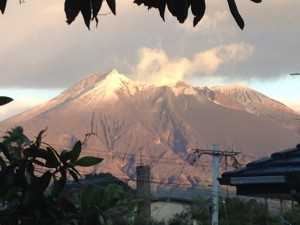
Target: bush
[[33, 176]]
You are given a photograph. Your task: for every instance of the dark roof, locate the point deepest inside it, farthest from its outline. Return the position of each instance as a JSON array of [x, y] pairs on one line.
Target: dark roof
[[275, 176]]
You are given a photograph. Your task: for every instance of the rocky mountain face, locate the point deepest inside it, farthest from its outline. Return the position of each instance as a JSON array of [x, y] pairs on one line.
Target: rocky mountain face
[[128, 123]]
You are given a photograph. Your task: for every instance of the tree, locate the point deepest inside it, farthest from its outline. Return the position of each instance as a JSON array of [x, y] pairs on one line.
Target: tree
[[90, 9], [33, 177]]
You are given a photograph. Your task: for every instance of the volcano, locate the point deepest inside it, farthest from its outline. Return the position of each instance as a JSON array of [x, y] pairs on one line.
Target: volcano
[[127, 122]]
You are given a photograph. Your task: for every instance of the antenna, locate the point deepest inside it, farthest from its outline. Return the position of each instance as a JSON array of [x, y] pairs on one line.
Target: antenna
[[217, 155]]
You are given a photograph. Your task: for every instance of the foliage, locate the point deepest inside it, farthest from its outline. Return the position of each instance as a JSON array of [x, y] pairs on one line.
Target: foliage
[[293, 215], [111, 204], [233, 211], [33, 176], [90, 9], [5, 100]]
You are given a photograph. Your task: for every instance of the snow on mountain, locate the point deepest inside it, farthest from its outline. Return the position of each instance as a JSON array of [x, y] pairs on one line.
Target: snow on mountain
[[133, 121], [241, 97]]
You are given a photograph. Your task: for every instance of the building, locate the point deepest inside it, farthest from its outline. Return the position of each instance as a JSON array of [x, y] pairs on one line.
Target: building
[[276, 176]]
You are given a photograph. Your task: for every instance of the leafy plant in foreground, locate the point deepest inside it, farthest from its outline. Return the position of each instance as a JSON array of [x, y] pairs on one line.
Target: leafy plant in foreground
[[5, 100], [33, 176]]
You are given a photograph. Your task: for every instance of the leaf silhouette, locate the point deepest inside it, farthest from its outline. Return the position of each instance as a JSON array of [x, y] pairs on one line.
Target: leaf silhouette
[[86, 12], [198, 8], [235, 13], [162, 9], [3, 5], [112, 5], [179, 9], [158, 4], [72, 9], [96, 6], [5, 100], [88, 161]]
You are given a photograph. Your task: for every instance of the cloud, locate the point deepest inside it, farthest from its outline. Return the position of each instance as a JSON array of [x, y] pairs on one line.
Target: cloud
[[157, 67], [39, 50]]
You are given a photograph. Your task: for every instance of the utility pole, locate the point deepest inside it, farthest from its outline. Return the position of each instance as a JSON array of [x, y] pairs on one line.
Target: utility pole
[[143, 174], [217, 155], [215, 187]]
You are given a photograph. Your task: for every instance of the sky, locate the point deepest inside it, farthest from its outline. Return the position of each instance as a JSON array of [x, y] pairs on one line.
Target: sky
[[41, 55]]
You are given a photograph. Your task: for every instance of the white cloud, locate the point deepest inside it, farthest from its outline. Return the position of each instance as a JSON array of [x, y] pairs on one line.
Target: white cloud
[[156, 67]]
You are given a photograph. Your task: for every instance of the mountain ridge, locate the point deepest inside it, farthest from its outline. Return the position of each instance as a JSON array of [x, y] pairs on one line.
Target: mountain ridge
[[159, 123]]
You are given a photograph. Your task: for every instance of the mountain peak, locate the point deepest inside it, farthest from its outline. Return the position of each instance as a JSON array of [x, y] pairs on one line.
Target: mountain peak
[[183, 88], [109, 87], [231, 87], [115, 75]]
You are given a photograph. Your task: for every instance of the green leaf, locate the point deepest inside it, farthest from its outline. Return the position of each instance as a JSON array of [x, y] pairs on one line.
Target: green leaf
[[75, 153], [39, 137], [72, 155], [42, 183], [52, 161], [88, 161], [74, 175], [4, 100], [59, 184]]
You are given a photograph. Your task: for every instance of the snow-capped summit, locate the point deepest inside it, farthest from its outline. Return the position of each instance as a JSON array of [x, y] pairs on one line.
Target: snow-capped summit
[[161, 123], [111, 87]]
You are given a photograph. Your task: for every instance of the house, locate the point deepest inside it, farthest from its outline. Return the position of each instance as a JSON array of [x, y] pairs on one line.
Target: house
[[276, 176]]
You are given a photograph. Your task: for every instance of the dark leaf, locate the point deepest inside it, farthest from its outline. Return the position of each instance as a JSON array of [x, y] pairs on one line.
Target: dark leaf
[[35, 152], [5, 151], [72, 9], [235, 13], [39, 138], [2, 8], [88, 161], [162, 8], [196, 20], [4, 100], [86, 12], [198, 9], [72, 155], [74, 175], [75, 170], [158, 4], [112, 5], [256, 1], [42, 183], [96, 6], [52, 161], [39, 163], [59, 184], [179, 9], [64, 156], [75, 153]]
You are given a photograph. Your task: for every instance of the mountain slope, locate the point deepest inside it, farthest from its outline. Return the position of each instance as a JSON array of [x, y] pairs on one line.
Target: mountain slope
[[131, 122], [245, 99]]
